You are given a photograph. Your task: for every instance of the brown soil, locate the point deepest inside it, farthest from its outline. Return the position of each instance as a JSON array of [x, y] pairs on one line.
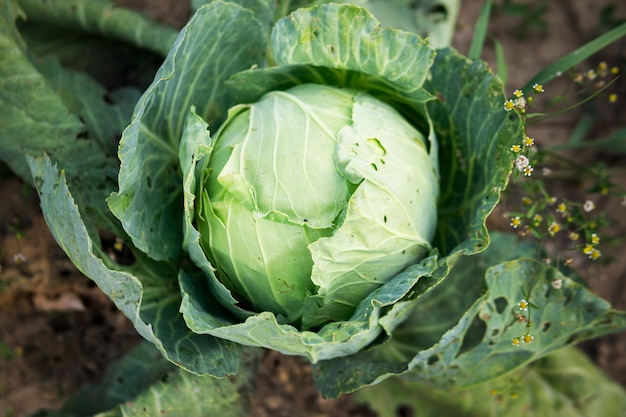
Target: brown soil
[[58, 331]]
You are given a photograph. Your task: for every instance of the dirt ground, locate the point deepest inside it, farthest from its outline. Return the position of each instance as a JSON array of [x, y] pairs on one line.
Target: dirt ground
[[58, 331]]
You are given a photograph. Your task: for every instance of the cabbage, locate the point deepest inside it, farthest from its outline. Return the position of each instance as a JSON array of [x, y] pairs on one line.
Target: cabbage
[[314, 184], [314, 197]]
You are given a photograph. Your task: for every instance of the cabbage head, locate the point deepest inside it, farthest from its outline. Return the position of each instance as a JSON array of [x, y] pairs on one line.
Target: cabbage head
[[314, 197]]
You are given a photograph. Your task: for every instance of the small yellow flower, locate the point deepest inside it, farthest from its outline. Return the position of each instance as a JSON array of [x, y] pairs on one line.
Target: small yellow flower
[[595, 254], [602, 66], [554, 228], [516, 222], [574, 236], [537, 218], [523, 305], [589, 206], [588, 249], [516, 341], [538, 88], [591, 74], [509, 105], [612, 98], [528, 171], [493, 391], [528, 141], [528, 338], [562, 208], [552, 201], [614, 70], [595, 239], [516, 148], [527, 201], [518, 93]]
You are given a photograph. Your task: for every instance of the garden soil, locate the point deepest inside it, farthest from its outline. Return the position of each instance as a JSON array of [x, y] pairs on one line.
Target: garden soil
[[58, 331]]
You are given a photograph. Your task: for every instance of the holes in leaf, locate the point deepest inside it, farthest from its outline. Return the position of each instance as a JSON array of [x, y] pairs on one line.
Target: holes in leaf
[[545, 326], [404, 410], [438, 14], [108, 99], [567, 300], [474, 335], [500, 303], [376, 146], [82, 135], [433, 359], [149, 181]]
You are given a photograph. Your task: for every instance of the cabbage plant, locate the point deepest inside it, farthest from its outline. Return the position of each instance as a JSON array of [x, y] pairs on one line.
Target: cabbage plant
[[314, 183]]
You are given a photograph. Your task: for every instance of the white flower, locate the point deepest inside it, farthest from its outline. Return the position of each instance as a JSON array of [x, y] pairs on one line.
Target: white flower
[[521, 162], [589, 206], [19, 258]]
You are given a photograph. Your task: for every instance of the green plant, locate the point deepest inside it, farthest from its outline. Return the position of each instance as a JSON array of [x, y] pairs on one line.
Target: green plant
[[446, 316]]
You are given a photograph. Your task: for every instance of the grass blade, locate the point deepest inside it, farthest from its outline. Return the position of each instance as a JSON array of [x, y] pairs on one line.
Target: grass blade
[[480, 31], [502, 69], [574, 58]]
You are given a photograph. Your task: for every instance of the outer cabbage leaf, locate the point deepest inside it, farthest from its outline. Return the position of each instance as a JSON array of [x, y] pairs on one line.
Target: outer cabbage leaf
[[144, 383], [41, 103], [433, 19], [104, 18], [146, 291], [31, 111], [65, 113], [565, 384], [220, 39], [478, 344], [263, 9]]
